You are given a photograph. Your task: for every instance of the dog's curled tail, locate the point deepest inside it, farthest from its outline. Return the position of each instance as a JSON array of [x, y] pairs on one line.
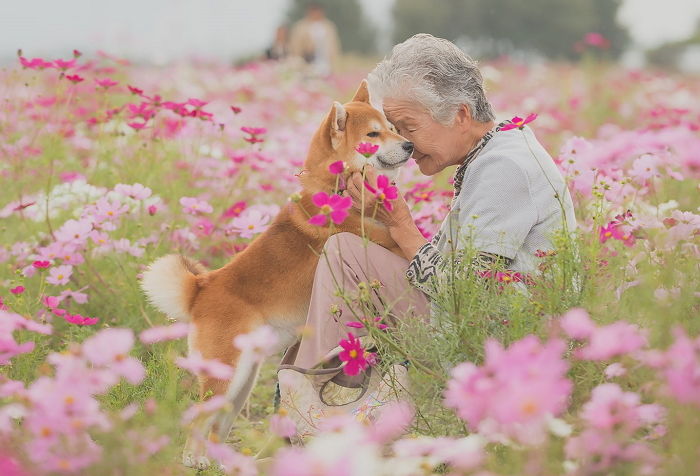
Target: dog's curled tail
[[171, 283]]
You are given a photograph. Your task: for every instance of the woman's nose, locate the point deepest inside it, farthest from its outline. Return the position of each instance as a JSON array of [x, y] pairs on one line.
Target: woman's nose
[[407, 146]]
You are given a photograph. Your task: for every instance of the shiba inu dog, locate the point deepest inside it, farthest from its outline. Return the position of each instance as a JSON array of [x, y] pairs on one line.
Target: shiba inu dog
[[269, 283]]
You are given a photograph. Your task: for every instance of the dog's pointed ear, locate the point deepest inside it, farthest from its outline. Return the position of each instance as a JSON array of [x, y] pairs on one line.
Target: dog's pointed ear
[[338, 117], [362, 93]]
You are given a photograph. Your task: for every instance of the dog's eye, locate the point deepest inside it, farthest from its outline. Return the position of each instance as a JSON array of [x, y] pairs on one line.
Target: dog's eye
[[373, 134]]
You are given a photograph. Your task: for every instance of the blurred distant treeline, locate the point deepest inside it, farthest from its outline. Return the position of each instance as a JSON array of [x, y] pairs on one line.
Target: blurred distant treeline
[[551, 29]]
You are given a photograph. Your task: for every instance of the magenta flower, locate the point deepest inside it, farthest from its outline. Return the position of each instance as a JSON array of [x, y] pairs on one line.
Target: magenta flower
[[367, 149], [194, 206], [334, 206], [77, 319], [39, 264], [337, 167], [35, 63], [356, 358], [234, 210], [17, 290], [74, 78], [519, 122], [254, 131], [385, 192]]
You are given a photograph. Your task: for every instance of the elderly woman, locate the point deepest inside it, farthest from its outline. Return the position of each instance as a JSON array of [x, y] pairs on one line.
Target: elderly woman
[[509, 197]]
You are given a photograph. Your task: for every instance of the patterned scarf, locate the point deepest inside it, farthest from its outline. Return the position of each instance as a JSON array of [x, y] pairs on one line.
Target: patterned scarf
[[459, 172]]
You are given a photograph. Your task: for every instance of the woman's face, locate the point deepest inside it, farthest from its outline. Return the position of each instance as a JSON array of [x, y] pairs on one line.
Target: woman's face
[[436, 146]]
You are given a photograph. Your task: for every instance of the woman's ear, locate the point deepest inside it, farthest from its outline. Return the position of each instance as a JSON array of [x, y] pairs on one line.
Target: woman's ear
[[463, 117]]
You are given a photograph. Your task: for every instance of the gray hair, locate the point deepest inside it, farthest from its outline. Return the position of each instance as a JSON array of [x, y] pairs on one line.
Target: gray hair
[[434, 72]]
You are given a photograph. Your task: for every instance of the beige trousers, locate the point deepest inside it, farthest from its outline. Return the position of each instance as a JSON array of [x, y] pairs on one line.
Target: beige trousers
[[346, 261]]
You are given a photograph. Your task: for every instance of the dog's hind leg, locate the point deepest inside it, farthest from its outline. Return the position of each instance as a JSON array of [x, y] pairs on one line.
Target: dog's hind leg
[[244, 378]]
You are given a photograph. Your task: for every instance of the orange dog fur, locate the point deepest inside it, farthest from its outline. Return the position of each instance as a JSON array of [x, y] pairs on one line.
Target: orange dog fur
[[270, 281]]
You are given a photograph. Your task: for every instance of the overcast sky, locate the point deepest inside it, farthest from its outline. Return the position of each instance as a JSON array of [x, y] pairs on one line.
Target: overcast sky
[[160, 30]]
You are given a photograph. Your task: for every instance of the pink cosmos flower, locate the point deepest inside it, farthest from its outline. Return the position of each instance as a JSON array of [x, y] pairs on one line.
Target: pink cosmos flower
[[195, 206], [60, 274], [64, 64], [356, 358], [393, 421], [334, 206], [152, 209], [164, 333], [250, 223], [577, 324], [75, 78], [519, 122], [680, 367], [282, 426], [41, 264], [385, 192], [230, 460], [217, 402], [17, 290], [110, 348], [515, 392], [198, 365], [106, 83], [367, 149], [603, 342], [337, 167], [135, 191], [597, 40], [261, 342]]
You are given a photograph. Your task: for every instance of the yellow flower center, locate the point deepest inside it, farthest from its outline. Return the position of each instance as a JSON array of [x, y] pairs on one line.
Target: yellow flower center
[[381, 196], [529, 408], [250, 227], [353, 353], [608, 234], [60, 276], [326, 209]]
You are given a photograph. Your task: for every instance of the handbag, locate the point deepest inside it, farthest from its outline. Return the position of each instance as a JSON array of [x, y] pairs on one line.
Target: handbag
[[308, 396]]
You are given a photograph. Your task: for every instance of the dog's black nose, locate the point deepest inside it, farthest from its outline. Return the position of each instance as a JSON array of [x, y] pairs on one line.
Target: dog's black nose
[[407, 146]]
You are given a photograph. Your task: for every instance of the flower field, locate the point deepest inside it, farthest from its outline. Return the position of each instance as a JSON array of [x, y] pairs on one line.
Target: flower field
[[107, 165]]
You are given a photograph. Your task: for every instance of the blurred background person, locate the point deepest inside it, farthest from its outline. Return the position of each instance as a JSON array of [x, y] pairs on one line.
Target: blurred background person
[[315, 39], [280, 46]]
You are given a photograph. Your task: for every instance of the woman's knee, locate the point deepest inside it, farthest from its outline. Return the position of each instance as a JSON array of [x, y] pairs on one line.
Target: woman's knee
[[341, 242]]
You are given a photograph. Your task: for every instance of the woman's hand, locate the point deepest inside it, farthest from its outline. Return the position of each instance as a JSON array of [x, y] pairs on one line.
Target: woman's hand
[[394, 215], [399, 220]]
